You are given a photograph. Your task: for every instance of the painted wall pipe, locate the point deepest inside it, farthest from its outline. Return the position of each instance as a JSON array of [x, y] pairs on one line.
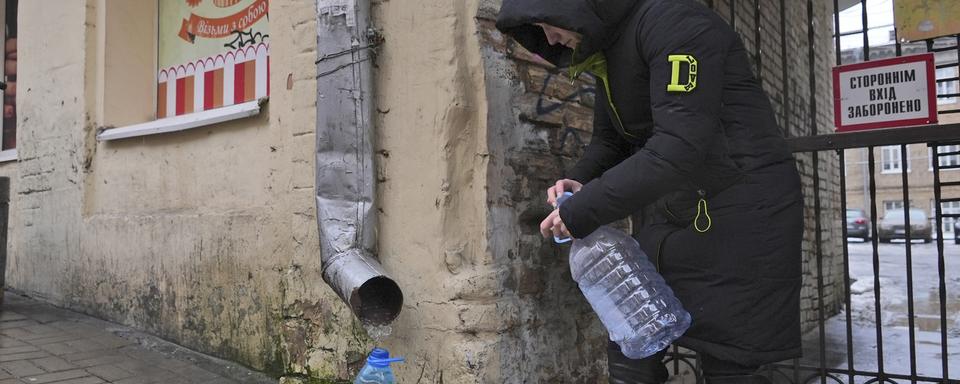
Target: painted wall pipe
[[345, 183]]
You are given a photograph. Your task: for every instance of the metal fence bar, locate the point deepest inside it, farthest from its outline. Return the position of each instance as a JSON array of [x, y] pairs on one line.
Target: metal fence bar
[[812, 60], [733, 14], [937, 198], [909, 254], [846, 267], [814, 144], [865, 34], [957, 42], [821, 319], [912, 335], [897, 45], [843, 206], [874, 375], [942, 49], [757, 39], [945, 65], [785, 107], [836, 32], [895, 136], [876, 259]]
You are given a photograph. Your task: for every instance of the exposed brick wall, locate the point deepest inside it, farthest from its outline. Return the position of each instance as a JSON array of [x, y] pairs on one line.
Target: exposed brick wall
[[539, 124], [785, 69], [205, 237]]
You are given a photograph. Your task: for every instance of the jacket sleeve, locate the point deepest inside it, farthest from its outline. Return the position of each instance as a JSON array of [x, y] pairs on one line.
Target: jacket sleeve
[[606, 148], [685, 123]]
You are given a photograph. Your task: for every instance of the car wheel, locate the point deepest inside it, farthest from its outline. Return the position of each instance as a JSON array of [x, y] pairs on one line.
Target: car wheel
[[956, 240], [927, 240], [882, 240]]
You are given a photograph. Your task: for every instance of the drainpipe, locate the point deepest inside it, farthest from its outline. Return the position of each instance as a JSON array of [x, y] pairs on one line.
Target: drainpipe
[[345, 184]]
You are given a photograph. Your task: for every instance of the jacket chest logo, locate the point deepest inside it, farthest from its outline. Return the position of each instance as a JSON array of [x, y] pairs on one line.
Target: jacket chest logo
[[677, 61]]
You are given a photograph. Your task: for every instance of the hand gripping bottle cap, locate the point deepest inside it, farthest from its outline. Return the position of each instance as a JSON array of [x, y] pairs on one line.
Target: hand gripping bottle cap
[[560, 200]]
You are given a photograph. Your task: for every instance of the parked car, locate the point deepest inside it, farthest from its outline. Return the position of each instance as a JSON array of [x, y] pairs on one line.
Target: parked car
[[891, 226], [858, 225], [956, 231]]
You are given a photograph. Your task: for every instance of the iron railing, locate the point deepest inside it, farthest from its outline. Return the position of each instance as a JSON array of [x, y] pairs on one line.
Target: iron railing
[[815, 144]]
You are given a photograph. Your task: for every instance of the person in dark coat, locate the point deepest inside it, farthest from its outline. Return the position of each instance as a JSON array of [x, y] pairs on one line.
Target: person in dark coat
[[685, 141]]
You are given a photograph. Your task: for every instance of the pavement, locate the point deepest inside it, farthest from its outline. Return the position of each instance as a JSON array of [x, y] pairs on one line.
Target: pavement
[[41, 344], [894, 347]]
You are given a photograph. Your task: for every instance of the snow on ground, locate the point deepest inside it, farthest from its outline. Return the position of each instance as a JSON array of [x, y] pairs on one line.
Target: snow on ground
[[894, 319], [894, 315]]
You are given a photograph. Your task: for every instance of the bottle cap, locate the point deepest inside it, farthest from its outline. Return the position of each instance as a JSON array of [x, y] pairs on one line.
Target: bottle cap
[[380, 358], [560, 200]]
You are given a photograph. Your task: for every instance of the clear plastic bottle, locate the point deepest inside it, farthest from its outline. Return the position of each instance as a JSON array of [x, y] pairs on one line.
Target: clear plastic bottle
[[377, 369], [633, 301]]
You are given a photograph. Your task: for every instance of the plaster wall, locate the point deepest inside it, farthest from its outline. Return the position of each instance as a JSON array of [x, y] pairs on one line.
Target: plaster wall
[[433, 162], [206, 237]]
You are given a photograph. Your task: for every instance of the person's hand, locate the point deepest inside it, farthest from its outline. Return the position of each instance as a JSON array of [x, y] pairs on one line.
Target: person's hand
[[553, 226], [561, 186]]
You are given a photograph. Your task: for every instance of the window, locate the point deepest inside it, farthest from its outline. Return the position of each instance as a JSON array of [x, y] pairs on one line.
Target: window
[[890, 205], [946, 87], [8, 127], [890, 161], [202, 62], [947, 207], [946, 160]]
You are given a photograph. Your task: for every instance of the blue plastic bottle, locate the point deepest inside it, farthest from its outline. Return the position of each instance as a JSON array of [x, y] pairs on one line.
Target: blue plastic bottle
[[633, 301], [377, 370]]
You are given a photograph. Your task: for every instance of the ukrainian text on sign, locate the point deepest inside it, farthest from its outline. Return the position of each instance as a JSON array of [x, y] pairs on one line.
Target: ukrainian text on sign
[[885, 93]]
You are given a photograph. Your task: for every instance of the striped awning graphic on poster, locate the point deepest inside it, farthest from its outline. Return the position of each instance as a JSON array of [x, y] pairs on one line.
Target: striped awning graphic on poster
[[231, 78]]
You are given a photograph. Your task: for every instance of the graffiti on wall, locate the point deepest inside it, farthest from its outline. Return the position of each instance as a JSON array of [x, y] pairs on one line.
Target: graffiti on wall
[[556, 94]]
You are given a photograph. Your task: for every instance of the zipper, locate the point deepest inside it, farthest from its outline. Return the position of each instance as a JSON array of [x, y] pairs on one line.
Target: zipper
[[613, 108], [597, 65], [702, 209]]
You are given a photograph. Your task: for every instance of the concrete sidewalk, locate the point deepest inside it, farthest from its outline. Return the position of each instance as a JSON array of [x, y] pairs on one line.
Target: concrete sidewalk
[[42, 344]]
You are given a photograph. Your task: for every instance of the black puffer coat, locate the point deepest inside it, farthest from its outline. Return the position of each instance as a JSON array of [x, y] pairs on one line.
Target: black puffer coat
[[709, 143]]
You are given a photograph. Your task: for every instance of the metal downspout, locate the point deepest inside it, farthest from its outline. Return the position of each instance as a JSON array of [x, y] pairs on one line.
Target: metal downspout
[[345, 168]]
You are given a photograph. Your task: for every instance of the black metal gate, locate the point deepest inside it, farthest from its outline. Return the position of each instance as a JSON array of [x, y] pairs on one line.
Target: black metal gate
[[834, 356]]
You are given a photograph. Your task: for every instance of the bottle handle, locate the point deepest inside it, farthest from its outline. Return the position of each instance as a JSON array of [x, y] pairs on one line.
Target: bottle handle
[[386, 361], [560, 200]]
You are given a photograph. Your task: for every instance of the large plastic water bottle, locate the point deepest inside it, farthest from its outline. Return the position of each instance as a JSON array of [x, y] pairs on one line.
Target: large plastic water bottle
[[633, 301], [377, 369]]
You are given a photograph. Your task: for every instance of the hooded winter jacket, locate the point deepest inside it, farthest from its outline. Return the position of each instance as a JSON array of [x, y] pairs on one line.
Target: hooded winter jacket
[[684, 134]]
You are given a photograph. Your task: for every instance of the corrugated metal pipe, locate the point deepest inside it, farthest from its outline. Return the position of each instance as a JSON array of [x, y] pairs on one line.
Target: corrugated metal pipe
[[346, 209]]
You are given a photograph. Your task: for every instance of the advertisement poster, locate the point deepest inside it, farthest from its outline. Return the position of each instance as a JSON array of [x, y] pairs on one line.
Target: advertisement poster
[[926, 19], [212, 53]]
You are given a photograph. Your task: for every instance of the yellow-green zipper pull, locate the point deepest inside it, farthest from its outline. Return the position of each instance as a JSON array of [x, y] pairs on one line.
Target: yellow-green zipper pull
[[702, 209]]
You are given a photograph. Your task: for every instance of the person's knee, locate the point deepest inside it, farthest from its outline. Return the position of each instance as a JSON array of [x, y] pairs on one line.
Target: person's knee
[[624, 370], [717, 371]]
